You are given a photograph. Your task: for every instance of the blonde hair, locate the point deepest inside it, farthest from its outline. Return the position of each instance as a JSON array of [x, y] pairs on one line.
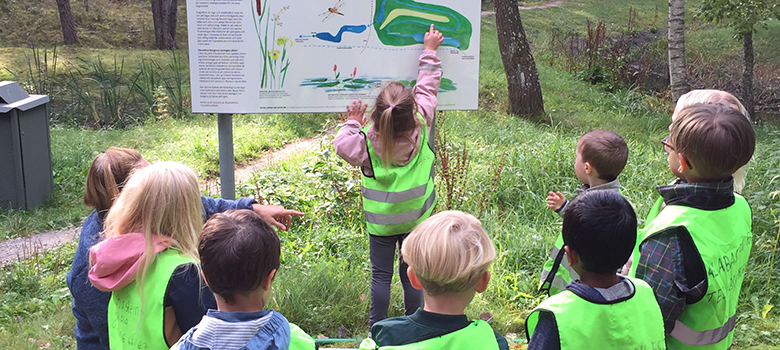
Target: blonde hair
[[708, 96], [715, 140], [162, 199], [107, 176], [448, 252], [395, 112]]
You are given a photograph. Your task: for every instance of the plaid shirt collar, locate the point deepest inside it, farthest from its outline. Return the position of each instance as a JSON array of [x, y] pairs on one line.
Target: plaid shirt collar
[[681, 191]]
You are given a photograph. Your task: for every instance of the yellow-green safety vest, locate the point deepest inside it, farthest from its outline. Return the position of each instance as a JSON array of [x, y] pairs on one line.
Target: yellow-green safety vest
[[476, 336], [133, 325], [398, 198], [630, 324], [299, 340], [723, 239], [556, 271]]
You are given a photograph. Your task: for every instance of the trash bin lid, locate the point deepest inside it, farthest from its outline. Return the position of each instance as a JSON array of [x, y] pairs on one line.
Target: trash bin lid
[[12, 96]]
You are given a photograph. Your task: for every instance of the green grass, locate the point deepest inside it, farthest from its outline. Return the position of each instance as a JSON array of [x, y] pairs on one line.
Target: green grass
[[193, 141], [323, 283]]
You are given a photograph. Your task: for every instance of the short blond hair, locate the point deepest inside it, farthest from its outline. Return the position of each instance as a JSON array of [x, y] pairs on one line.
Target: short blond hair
[[709, 96], [162, 199], [716, 140], [449, 252], [722, 98]]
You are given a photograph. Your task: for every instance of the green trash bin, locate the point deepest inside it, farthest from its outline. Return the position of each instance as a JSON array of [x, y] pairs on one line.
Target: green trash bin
[[26, 178]]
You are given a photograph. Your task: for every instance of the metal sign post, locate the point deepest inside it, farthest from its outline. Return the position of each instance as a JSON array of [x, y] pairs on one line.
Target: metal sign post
[[227, 181]]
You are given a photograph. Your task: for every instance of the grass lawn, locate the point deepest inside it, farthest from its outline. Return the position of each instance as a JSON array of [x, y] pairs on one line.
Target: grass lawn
[[324, 279]]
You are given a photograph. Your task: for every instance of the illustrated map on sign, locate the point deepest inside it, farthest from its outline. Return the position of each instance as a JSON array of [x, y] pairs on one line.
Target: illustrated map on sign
[[316, 56]]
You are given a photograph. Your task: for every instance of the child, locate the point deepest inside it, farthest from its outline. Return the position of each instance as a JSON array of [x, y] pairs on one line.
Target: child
[[703, 234], [397, 164], [717, 97], [239, 255], [601, 156], [449, 255], [105, 180], [691, 98], [601, 310]]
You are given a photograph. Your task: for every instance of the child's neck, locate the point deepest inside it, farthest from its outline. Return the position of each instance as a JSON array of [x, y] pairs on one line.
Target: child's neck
[[594, 181], [241, 303], [447, 304], [598, 281], [690, 178]]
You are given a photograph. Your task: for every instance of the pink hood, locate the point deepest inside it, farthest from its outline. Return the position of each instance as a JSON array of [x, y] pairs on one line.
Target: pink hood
[[115, 260]]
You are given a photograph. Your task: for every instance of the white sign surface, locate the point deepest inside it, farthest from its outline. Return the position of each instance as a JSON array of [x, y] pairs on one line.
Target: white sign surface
[[285, 56]]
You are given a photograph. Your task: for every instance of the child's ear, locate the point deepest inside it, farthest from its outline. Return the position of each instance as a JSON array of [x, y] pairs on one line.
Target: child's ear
[[483, 282], [571, 255], [684, 164], [588, 168], [413, 278], [269, 279]]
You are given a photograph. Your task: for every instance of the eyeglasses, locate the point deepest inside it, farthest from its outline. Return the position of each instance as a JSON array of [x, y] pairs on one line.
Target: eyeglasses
[[667, 147]]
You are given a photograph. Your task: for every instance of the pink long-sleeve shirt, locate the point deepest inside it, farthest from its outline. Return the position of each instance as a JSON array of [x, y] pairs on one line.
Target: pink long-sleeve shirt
[[350, 144]]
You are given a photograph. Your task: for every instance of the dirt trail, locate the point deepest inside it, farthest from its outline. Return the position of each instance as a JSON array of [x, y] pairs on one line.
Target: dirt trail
[[552, 3], [19, 248]]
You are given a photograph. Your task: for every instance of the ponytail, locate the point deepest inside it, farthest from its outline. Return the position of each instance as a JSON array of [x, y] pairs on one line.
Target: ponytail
[[386, 136], [394, 113]]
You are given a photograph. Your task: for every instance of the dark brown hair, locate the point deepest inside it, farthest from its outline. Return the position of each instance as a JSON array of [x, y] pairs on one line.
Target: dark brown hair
[[394, 113], [606, 151], [237, 249], [714, 139], [600, 226], [107, 176]]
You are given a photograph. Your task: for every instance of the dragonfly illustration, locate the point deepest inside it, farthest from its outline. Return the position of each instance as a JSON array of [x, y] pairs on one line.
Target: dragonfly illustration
[[333, 11]]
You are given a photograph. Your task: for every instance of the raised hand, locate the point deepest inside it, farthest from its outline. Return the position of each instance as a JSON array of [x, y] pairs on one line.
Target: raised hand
[[555, 200], [356, 111], [433, 39]]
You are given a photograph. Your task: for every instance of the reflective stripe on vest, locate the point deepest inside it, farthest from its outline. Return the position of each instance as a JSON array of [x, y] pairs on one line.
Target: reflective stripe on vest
[[723, 239], [618, 326], [688, 336], [556, 276], [136, 325], [397, 198], [400, 218], [476, 336]]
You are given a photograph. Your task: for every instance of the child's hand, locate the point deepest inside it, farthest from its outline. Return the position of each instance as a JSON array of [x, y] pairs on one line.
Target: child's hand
[[276, 215], [433, 39], [555, 200], [357, 111]]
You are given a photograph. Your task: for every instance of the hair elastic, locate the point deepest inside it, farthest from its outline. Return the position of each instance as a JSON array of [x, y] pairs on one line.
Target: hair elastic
[[392, 106]]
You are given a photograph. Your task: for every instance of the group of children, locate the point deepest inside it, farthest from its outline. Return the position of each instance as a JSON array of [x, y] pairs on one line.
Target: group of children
[[149, 274]]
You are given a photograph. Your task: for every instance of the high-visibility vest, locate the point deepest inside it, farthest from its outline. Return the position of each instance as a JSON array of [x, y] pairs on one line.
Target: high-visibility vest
[[476, 336], [136, 325], [556, 271], [723, 239], [299, 340], [398, 198], [633, 323]]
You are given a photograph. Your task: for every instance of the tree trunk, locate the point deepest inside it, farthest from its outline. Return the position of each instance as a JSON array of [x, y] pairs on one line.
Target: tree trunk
[[157, 16], [525, 92], [747, 74], [66, 20], [169, 23], [677, 78]]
